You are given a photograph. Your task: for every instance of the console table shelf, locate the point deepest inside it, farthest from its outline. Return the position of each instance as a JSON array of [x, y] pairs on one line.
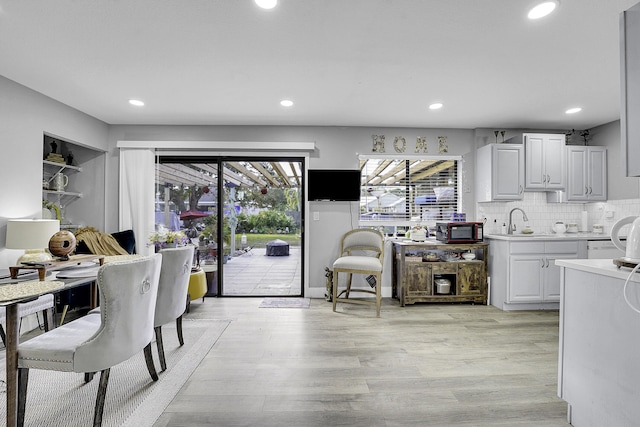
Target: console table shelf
[[416, 266], [56, 265]]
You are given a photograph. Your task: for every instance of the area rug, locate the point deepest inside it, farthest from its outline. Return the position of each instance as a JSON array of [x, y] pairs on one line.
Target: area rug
[[285, 303], [133, 399]]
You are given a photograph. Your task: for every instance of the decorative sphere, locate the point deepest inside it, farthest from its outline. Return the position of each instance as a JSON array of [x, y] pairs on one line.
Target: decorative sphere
[[205, 190], [62, 244], [264, 190]]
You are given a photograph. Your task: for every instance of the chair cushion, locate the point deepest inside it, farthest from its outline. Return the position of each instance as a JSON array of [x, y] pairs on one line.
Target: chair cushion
[[55, 350], [357, 262]]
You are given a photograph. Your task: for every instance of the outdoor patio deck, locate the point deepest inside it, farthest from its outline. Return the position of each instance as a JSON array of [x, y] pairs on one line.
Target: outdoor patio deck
[[256, 274]]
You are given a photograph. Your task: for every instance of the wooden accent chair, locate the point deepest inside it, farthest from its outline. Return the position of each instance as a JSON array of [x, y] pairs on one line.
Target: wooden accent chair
[[361, 252], [172, 293], [96, 342]]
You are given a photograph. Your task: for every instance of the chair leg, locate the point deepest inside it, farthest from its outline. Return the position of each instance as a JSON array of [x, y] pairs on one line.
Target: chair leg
[[179, 328], [88, 376], [378, 294], [64, 314], [3, 336], [102, 393], [188, 309], [160, 345], [47, 319], [23, 379], [349, 277], [148, 357], [335, 289]]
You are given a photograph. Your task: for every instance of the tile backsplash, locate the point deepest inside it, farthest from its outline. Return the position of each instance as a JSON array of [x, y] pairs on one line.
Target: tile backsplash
[[542, 215]]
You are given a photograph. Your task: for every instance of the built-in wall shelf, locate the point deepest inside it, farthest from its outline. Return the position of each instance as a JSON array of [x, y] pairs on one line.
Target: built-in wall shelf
[[62, 166]]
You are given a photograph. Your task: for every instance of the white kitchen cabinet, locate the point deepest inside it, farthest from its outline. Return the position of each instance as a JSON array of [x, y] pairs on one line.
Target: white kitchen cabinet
[[586, 173], [544, 161], [523, 271], [499, 172]]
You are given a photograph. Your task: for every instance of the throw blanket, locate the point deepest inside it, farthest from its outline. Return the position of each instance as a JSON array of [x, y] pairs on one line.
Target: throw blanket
[[99, 243]]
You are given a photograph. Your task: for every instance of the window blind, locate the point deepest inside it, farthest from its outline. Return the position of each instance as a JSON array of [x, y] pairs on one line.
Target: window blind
[[401, 190]]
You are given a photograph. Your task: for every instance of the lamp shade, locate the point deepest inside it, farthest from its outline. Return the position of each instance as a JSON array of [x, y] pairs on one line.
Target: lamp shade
[[31, 233]]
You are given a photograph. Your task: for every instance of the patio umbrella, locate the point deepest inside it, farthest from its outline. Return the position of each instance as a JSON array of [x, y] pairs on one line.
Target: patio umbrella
[[192, 214]]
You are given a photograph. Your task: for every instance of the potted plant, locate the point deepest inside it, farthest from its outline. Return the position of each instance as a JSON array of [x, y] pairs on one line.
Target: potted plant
[[164, 238]]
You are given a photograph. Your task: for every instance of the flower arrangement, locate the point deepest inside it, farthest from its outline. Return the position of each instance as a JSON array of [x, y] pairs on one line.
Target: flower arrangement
[[164, 238]]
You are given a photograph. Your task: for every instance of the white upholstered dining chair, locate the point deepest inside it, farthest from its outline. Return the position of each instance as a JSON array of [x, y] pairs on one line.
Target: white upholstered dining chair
[[172, 293], [43, 304], [96, 342], [361, 252]]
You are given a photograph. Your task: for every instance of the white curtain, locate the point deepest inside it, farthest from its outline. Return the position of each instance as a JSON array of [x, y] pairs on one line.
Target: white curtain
[[137, 180]]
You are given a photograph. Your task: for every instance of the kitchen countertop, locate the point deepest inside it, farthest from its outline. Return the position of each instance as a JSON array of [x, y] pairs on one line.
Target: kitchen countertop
[[548, 236], [603, 267]]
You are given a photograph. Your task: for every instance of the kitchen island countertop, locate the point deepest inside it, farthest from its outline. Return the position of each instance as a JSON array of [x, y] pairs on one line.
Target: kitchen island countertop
[[603, 267]]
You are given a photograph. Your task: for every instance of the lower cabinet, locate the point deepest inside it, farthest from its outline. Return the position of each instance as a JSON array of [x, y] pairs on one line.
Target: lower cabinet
[[417, 274], [524, 275]]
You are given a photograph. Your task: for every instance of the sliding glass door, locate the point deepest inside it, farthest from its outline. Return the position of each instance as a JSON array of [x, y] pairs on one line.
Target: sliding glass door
[[244, 214]]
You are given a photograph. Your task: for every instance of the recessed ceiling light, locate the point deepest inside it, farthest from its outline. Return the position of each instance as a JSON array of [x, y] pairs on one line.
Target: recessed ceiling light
[[573, 110], [136, 102], [266, 4], [542, 9], [435, 106], [286, 103]]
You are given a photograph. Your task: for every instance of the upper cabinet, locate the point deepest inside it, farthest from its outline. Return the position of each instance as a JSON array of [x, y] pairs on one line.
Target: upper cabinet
[[544, 161], [499, 172], [630, 94], [586, 173]]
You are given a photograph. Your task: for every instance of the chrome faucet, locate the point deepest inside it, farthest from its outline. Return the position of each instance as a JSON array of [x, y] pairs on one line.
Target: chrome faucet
[[511, 224]]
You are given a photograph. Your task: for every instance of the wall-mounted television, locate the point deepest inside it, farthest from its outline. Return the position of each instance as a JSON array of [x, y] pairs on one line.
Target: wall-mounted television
[[340, 185]]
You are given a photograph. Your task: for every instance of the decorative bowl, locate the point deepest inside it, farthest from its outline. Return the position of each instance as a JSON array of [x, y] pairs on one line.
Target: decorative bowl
[[469, 256]]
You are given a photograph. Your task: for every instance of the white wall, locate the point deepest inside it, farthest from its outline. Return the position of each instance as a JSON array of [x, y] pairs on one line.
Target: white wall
[[25, 115], [620, 187]]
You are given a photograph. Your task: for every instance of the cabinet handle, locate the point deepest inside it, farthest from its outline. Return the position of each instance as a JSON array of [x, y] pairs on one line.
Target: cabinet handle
[[586, 190], [548, 179], [590, 190], [544, 179], [541, 263], [521, 189]]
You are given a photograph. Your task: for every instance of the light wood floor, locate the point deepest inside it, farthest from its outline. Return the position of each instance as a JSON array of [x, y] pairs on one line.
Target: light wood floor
[[421, 365]]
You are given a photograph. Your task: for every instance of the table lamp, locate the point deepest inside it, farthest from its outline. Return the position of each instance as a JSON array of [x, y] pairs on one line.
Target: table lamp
[[32, 235]]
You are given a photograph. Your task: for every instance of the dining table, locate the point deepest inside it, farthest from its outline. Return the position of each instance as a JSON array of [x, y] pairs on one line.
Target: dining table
[[20, 288]]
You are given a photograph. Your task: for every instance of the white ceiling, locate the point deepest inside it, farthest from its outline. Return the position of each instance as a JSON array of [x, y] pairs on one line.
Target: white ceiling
[[373, 63]]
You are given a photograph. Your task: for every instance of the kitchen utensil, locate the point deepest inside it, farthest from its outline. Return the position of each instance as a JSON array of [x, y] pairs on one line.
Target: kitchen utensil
[[443, 286], [559, 227], [418, 234], [632, 246]]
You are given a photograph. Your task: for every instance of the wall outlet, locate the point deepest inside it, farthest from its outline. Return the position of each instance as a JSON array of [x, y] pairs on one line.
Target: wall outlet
[[609, 214], [316, 216]]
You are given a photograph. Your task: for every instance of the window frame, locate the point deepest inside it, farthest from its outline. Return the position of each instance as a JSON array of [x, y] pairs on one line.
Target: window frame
[[411, 223]]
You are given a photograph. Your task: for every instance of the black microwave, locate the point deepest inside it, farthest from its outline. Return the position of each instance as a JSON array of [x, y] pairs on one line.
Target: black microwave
[[459, 232]]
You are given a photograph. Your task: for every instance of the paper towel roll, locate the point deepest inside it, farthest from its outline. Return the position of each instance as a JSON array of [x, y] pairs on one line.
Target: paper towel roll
[[584, 222]]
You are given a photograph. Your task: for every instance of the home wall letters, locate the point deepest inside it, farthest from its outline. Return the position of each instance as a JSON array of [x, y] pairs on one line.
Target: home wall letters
[[400, 144]]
